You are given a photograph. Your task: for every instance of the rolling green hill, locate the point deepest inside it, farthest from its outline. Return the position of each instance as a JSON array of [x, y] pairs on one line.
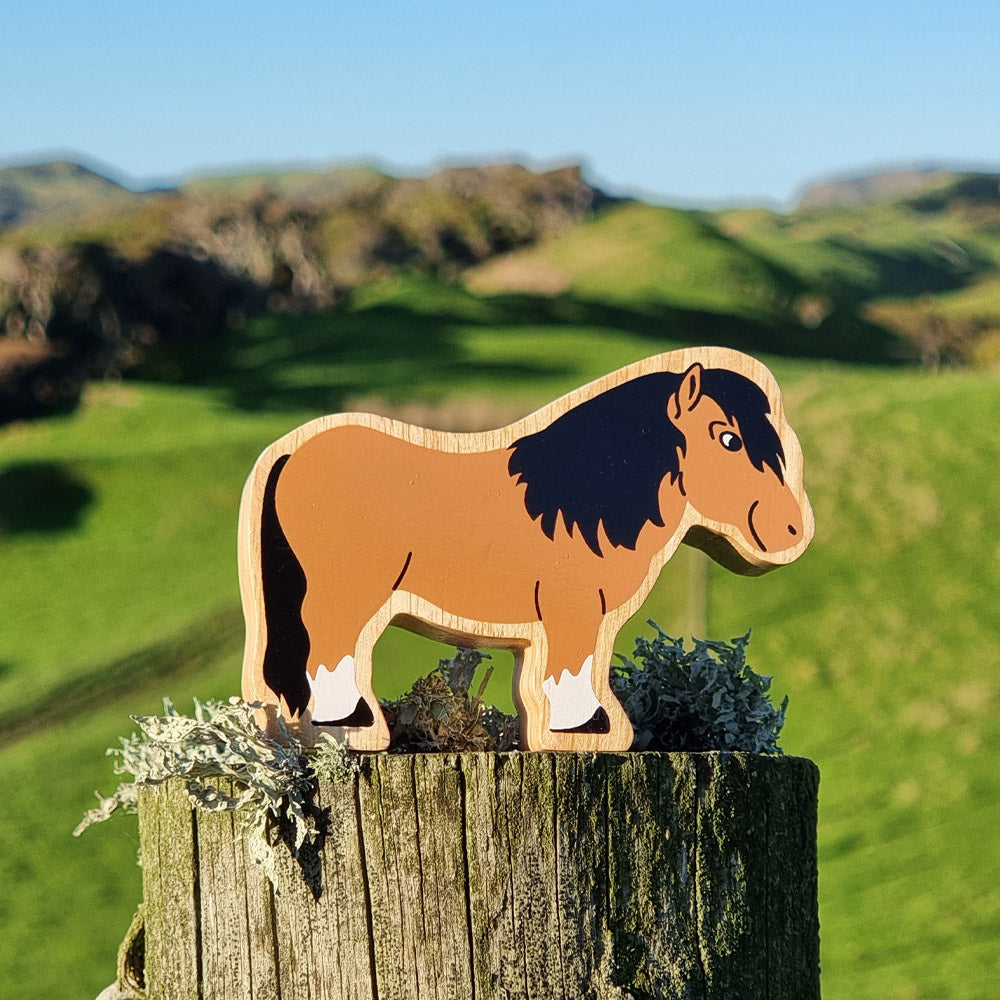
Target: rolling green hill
[[120, 587], [912, 279], [680, 271], [925, 267], [642, 255]]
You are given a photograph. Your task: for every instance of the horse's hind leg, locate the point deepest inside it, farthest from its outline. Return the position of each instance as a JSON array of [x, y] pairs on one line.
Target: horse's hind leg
[[343, 624]]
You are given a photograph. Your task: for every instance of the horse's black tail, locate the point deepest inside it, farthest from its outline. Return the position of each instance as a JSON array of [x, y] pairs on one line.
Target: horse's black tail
[[284, 585]]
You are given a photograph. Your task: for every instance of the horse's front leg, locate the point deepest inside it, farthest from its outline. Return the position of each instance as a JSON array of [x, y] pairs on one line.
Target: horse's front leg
[[564, 691]]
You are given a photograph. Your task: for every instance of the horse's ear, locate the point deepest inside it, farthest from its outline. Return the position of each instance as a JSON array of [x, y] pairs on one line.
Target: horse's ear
[[688, 393]]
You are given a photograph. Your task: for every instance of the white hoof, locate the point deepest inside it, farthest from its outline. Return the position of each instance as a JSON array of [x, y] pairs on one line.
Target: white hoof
[[572, 701], [335, 692]]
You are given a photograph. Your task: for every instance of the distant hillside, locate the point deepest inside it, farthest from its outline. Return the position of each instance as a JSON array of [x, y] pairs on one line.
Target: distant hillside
[[925, 267], [868, 189], [686, 275], [890, 268], [57, 190], [107, 292], [896, 185], [913, 278]]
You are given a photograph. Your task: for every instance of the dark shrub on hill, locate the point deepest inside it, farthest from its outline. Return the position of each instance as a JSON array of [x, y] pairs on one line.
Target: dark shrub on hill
[[166, 270]]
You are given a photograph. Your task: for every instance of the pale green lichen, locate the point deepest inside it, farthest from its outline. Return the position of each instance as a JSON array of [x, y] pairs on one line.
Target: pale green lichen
[[272, 780], [707, 698], [704, 698]]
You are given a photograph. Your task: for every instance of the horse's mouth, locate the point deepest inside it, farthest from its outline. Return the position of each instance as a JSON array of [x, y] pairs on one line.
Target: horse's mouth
[[753, 531]]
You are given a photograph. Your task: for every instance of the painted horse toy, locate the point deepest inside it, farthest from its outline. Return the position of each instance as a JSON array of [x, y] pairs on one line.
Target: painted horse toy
[[542, 537]]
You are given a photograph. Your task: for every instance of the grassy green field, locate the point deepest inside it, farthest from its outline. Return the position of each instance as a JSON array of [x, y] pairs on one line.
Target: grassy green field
[[120, 587]]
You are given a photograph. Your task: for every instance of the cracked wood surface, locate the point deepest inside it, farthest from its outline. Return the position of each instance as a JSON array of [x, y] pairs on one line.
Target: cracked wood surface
[[520, 876]]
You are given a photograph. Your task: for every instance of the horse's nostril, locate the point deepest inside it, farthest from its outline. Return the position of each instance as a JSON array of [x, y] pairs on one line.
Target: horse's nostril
[[791, 530]]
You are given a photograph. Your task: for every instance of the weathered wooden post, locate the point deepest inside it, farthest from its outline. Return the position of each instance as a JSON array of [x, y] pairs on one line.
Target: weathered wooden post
[[560, 872], [502, 876]]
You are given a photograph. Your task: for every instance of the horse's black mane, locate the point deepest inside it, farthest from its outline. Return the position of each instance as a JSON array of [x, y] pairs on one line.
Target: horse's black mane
[[604, 460]]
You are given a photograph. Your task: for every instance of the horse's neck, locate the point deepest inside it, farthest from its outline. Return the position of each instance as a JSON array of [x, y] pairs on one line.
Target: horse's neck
[[653, 538], [673, 505]]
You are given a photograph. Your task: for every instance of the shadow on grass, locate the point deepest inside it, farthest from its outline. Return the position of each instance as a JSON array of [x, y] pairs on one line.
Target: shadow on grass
[[42, 497], [905, 271], [319, 361], [842, 336], [199, 646], [412, 344]]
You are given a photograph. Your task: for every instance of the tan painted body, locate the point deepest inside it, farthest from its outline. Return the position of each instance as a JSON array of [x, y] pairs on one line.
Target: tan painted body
[[429, 529]]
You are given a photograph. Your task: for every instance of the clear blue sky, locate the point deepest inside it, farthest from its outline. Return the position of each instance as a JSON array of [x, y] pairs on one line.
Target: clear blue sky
[[702, 101]]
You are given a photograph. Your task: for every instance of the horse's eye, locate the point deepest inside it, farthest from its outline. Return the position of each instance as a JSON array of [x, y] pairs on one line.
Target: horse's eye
[[730, 441]]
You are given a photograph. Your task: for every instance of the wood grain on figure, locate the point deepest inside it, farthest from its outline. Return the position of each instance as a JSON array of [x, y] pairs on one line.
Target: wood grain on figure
[[542, 537]]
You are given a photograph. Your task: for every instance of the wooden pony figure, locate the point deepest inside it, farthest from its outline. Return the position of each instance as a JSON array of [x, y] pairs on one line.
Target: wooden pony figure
[[542, 537]]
